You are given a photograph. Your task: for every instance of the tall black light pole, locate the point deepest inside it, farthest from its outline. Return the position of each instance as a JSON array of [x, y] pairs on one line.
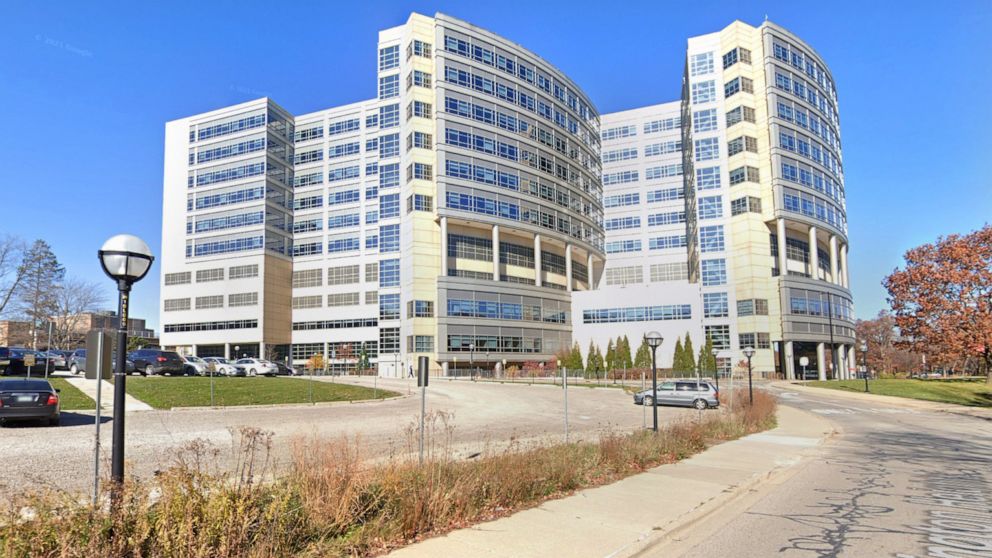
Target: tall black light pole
[[654, 339], [749, 352], [716, 369], [471, 360], [126, 259], [864, 360]]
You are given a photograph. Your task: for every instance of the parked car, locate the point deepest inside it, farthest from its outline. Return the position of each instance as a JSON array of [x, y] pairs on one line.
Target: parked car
[[150, 362], [17, 366], [4, 360], [685, 393], [195, 366], [223, 367], [58, 360], [29, 400], [285, 370], [257, 367], [77, 361]]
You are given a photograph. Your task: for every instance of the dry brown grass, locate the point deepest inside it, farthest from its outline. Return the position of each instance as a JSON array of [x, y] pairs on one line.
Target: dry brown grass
[[333, 502]]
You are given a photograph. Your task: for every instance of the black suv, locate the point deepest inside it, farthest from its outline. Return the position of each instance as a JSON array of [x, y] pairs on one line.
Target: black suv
[[156, 361], [4, 360]]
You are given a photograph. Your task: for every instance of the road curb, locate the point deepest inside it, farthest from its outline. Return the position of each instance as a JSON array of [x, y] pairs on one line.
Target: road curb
[[908, 402], [610, 520], [288, 405], [673, 530]]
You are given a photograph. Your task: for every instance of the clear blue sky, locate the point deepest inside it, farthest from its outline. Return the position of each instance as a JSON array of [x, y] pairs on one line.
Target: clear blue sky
[[87, 87]]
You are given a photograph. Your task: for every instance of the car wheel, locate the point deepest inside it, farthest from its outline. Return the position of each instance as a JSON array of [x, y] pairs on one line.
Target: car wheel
[[649, 401], [700, 404], [149, 371], [54, 421], [253, 372], [74, 369]]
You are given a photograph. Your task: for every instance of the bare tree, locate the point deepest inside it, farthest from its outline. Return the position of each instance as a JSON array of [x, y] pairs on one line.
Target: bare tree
[[42, 274], [73, 298], [11, 269]]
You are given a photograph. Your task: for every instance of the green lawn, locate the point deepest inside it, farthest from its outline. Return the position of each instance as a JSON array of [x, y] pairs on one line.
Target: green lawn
[[72, 398], [168, 392], [975, 393]]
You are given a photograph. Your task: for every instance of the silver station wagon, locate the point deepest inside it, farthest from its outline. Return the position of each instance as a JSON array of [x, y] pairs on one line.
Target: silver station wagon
[[682, 393]]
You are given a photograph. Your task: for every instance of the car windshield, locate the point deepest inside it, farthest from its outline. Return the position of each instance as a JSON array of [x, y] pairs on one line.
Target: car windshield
[[194, 359], [26, 385]]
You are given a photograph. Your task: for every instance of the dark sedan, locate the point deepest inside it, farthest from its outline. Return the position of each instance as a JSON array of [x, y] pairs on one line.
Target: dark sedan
[[29, 400], [17, 366]]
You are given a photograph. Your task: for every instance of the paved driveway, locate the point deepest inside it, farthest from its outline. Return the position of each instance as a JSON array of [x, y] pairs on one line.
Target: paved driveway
[[482, 414]]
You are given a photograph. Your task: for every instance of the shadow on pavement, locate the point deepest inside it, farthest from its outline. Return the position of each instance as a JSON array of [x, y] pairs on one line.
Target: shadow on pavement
[[69, 419]]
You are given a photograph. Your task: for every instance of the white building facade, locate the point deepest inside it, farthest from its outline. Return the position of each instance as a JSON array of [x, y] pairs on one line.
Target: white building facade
[[762, 179], [480, 212], [450, 217]]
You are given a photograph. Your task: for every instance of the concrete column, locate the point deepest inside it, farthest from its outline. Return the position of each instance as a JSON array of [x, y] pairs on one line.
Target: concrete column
[[495, 252], [537, 260], [833, 260], [589, 271], [780, 231], [840, 373], [568, 267], [194, 351], [444, 246], [814, 257], [790, 361], [844, 277], [821, 361], [852, 360], [227, 351]]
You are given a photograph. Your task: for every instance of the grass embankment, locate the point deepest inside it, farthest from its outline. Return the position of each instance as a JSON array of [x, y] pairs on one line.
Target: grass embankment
[[974, 393], [72, 398], [334, 503], [166, 393]]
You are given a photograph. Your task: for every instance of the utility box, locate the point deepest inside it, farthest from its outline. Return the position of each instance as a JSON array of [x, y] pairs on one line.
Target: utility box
[[98, 351], [422, 371]]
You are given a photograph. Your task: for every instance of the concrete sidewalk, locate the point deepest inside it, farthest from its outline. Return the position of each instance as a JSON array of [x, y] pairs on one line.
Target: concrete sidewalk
[[627, 516], [107, 394], [905, 402]]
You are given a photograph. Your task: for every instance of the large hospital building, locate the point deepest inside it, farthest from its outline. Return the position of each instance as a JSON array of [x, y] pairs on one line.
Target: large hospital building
[[480, 210]]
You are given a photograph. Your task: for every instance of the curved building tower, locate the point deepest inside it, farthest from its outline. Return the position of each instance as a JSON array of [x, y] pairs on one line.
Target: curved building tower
[[452, 216], [763, 111], [751, 249]]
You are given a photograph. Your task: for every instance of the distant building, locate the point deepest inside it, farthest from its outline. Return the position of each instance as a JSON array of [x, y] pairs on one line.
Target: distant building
[[107, 321], [15, 333]]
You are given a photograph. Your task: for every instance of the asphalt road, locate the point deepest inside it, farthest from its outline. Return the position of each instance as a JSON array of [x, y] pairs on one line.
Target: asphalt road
[[894, 481], [482, 415]]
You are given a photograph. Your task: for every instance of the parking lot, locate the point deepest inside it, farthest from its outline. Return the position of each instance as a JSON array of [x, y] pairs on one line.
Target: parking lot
[[63, 457]]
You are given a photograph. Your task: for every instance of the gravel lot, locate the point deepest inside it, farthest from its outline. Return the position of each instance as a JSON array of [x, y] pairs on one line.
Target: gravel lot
[[484, 414]]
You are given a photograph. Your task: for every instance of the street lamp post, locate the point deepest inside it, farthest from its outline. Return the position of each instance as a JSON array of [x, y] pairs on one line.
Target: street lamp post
[[749, 352], [126, 259], [716, 369], [654, 340], [564, 388], [864, 360], [502, 371], [471, 360]]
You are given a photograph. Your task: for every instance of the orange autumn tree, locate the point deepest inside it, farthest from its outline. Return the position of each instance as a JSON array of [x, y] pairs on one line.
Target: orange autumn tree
[[942, 300]]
